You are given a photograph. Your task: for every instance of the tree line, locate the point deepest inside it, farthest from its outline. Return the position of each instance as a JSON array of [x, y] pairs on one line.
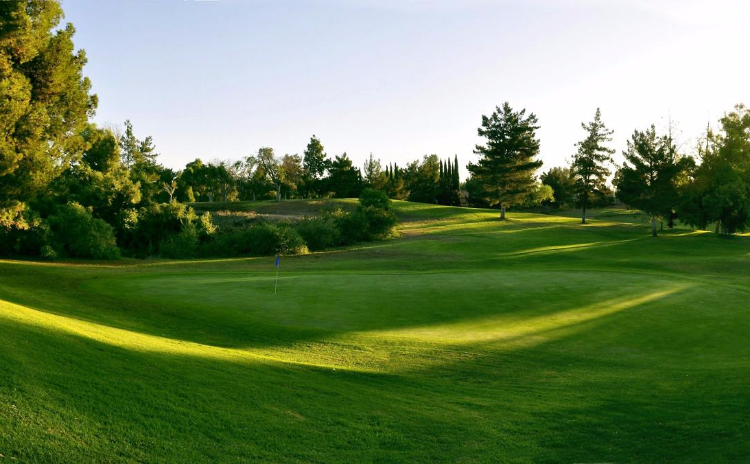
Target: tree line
[[711, 188], [264, 176], [70, 188]]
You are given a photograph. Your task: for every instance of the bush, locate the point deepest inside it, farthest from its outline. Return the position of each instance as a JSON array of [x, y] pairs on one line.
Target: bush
[[380, 222], [375, 199], [76, 233], [256, 240], [181, 245], [353, 227], [319, 233], [168, 229]]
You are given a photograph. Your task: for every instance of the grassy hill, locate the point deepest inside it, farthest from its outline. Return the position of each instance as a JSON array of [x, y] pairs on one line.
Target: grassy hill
[[466, 339]]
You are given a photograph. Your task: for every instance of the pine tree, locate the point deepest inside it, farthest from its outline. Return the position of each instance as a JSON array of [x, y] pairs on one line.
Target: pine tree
[[648, 179], [589, 163], [45, 103], [507, 162]]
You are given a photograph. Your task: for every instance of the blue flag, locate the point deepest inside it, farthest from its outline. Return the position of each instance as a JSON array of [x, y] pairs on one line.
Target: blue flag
[[278, 260]]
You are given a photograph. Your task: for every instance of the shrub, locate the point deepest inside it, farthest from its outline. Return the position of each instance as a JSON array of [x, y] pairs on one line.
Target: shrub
[[76, 233], [181, 245], [171, 225], [259, 239], [353, 227], [319, 233], [380, 222], [375, 198]]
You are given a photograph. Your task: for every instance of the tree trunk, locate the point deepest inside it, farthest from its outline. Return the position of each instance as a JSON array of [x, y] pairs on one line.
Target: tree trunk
[[278, 192], [253, 195], [653, 227], [502, 213], [583, 210]]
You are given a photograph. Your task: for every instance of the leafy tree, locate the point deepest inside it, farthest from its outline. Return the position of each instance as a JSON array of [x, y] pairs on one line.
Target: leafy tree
[[507, 163], [271, 167], [195, 178], [291, 166], [563, 184], [649, 178], [542, 194], [221, 181], [589, 163], [44, 103], [720, 188], [76, 233]]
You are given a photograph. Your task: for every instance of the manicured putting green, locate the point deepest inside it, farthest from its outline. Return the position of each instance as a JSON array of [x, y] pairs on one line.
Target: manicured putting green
[[467, 338]]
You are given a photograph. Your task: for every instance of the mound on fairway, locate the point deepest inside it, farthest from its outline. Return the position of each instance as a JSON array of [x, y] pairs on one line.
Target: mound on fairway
[[466, 339]]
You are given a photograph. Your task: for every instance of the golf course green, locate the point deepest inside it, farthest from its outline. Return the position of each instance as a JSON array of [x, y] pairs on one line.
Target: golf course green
[[466, 338]]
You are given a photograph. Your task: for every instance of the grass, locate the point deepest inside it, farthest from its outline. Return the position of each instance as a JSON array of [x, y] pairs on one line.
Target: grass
[[466, 339]]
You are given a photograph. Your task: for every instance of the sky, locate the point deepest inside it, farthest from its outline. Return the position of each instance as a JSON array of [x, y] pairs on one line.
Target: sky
[[400, 79]]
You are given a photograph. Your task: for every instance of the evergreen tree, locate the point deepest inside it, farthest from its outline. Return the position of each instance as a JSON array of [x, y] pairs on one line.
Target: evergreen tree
[[344, 180], [649, 178], [315, 162], [589, 163], [314, 159], [507, 163], [44, 103], [456, 175]]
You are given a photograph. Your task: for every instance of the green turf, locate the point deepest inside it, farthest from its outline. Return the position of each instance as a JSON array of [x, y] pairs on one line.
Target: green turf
[[465, 339]]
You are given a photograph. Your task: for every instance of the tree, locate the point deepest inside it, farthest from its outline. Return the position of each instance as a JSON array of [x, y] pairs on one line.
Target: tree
[[373, 174], [719, 191], [589, 163], [315, 163], [136, 152], [291, 166], [170, 189], [44, 103], [456, 175], [648, 180], [563, 184], [423, 180], [271, 167], [345, 180], [507, 163], [314, 159]]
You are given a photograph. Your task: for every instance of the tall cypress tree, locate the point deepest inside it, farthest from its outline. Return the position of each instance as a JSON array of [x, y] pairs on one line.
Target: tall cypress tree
[[589, 163], [456, 178], [507, 162]]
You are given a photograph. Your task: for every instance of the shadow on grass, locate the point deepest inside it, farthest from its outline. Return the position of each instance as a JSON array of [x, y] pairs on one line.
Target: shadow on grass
[[76, 398]]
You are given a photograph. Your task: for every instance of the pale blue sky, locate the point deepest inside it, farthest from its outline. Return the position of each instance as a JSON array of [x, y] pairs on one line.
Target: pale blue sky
[[400, 79]]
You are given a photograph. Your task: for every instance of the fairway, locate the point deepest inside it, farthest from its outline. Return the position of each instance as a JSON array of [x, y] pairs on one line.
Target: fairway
[[464, 339]]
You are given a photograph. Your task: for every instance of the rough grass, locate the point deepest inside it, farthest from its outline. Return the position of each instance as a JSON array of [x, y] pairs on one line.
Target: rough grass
[[467, 339]]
